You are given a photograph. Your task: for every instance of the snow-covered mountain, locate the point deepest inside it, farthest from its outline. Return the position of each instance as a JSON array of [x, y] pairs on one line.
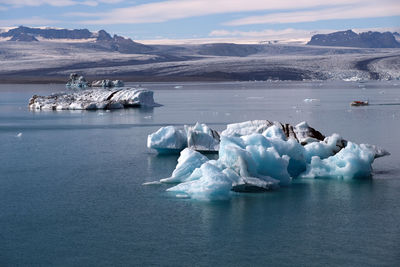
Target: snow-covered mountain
[[351, 39], [100, 39], [47, 54]]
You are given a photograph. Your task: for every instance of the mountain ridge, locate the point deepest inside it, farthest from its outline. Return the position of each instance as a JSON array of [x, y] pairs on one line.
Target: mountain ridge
[[101, 39], [349, 38]]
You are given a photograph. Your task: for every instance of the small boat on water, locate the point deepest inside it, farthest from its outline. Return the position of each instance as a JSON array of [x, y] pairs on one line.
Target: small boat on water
[[359, 103]]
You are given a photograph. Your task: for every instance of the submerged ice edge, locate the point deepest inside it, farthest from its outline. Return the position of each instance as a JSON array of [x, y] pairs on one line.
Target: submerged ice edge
[[258, 156]]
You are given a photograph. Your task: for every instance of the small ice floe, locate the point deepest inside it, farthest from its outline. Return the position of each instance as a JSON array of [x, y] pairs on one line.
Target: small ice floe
[[311, 100], [147, 117], [100, 114], [19, 135], [152, 183], [227, 114], [382, 92], [178, 87]]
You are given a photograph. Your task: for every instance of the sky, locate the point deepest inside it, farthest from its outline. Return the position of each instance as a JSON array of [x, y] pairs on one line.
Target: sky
[[180, 21]]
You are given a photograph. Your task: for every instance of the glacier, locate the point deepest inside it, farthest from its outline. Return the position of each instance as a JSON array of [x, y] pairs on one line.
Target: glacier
[[92, 99], [259, 156]]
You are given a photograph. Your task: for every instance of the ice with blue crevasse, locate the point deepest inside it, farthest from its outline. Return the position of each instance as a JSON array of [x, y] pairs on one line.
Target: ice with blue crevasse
[[256, 156]]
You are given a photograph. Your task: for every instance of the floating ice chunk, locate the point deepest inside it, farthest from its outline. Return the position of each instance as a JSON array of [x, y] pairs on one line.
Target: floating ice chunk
[[167, 139], [107, 83], [198, 137], [92, 99], [188, 161], [202, 138], [264, 155], [76, 81], [310, 100], [354, 161], [215, 183], [19, 135]]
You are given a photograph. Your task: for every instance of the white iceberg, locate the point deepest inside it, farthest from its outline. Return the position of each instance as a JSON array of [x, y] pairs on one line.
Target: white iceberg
[[107, 83], [171, 139], [92, 99], [77, 82], [167, 139], [258, 158]]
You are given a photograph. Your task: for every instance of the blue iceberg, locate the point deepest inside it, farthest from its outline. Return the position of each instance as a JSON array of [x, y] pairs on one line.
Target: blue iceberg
[[258, 156], [172, 139]]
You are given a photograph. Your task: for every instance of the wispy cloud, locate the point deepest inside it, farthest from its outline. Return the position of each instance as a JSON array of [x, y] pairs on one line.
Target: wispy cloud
[[56, 3], [36, 21], [367, 10], [292, 33], [255, 37], [179, 9]]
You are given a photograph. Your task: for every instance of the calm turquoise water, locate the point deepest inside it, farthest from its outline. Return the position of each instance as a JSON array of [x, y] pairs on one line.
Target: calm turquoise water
[[71, 186]]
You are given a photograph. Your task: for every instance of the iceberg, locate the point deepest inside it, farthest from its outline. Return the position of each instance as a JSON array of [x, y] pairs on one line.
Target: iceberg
[[259, 156], [107, 83], [76, 81], [79, 82], [92, 99], [171, 139]]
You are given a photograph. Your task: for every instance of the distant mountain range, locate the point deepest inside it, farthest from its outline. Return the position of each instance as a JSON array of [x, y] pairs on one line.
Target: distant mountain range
[[351, 39], [50, 55], [101, 39]]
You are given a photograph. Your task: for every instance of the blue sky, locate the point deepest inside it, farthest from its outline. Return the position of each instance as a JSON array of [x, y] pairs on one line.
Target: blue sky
[[204, 19]]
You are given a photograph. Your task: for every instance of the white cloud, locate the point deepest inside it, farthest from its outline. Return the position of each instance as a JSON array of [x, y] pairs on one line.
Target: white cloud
[[56, 3], [367, 10], [27, 21], [178, 9], [293, 36]]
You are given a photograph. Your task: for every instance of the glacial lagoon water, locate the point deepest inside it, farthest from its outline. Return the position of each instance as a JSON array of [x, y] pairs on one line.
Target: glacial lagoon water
[[71, 188]]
